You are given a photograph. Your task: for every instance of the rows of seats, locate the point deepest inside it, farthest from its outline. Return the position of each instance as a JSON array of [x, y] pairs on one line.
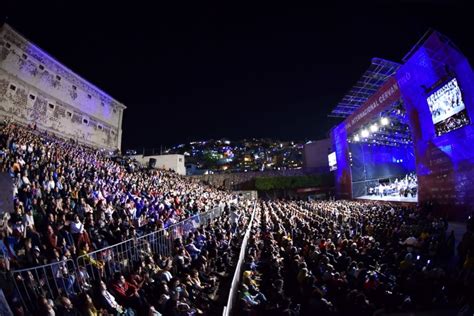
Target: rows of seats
[[355, 258], [70, 200], [72, 204]]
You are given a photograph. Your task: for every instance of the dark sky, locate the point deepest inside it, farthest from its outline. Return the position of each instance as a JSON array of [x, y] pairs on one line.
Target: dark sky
[[198, 71]]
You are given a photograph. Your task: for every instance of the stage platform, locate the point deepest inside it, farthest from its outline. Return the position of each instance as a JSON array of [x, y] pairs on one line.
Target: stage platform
[[389, 198]]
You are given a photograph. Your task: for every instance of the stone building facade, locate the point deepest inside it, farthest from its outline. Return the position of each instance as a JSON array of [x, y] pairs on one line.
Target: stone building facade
[[36, 89]]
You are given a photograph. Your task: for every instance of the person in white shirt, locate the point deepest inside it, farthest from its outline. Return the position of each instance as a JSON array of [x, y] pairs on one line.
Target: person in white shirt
[[59, 184], [77, 227], [21, 161], [25, 179], [28, 219], [49, 184], [109, 300]]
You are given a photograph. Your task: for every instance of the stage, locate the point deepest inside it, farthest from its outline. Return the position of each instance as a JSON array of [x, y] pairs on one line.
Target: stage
[[389, 198], [393, 128]]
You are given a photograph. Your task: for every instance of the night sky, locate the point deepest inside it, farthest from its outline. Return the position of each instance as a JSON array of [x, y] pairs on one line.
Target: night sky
[[199, 71]]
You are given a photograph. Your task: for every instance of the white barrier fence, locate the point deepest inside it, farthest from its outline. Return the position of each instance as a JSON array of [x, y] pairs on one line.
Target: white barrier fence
[[234, 289], [71, 277]]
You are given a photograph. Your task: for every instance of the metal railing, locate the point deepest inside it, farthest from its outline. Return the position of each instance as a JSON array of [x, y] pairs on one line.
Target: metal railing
[[234, 288], [71, 277], [104, 263], [49, 280]]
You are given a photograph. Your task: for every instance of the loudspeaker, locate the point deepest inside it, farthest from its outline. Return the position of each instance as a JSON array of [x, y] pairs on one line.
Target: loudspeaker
[[152, 163]]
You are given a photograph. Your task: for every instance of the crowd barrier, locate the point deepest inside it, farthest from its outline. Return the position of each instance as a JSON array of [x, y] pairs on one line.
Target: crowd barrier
[[234, 288], [50, 280], [71, 277]]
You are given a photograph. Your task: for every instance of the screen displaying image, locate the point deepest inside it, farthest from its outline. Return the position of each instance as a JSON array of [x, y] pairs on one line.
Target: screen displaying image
[[447, 108], [332, 161]]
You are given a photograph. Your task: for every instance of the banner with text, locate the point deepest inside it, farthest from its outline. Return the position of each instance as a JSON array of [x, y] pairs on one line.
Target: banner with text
[[388, 93]]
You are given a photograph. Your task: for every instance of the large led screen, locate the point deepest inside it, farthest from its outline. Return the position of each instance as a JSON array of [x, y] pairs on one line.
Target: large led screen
[[447, 108]]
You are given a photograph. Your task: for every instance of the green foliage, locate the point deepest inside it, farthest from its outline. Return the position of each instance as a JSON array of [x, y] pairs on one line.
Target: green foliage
[[294, 182]]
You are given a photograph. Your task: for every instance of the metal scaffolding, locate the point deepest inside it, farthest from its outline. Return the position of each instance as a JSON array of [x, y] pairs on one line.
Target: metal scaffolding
[[372, 79]]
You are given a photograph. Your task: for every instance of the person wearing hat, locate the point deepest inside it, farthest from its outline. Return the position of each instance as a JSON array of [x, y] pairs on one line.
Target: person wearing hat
[[19, 229], [37, 258]]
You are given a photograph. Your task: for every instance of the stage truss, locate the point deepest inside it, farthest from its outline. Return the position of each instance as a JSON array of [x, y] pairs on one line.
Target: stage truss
[[395, 133], [372, 79]]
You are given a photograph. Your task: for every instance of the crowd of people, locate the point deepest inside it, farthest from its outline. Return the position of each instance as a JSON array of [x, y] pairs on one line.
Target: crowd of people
[[402, 187], [354, 258], [70, 200], [67, 196], [185, 283], [456, 121], [318, 257], [446, 101]]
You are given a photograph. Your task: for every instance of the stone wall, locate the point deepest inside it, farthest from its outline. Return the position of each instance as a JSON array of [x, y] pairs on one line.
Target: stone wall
[[35, 88], [244, 180]]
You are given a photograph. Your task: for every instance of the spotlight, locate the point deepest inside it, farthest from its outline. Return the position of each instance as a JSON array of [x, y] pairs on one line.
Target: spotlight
[[364, 133], [384, 121], [374, 127], [356, 138]]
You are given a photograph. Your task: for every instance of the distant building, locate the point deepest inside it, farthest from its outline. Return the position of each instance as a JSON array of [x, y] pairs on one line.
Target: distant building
[[193, 169], [37, 89], [166, 162], [226, 156], [316, 155]]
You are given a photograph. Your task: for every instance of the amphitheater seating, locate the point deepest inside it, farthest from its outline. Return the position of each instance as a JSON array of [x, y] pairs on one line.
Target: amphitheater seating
[[81, 218]]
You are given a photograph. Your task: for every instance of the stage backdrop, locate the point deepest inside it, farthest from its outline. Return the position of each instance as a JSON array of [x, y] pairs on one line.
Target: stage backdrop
[[387, 94], [373, 163]]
